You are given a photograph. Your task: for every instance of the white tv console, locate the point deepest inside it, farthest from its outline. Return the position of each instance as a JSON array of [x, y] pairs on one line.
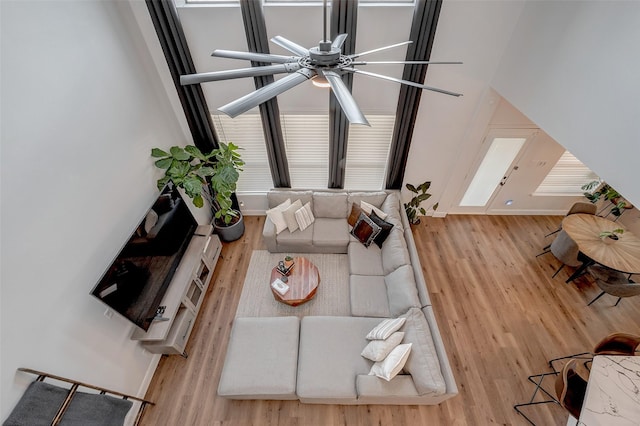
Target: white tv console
[[169, 334]]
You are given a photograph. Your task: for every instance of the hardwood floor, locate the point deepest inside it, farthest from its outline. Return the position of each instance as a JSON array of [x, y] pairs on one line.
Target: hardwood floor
[[500, 313]]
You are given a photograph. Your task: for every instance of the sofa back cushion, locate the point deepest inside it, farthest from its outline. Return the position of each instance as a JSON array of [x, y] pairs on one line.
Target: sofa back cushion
[[401, 290], [374, 198], [423, 363], [391, 207], [278, 196], [331, 205], [394, 252]]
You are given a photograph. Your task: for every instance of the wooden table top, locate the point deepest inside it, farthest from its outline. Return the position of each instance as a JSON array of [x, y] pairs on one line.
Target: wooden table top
[[622, 255], [303, 282]]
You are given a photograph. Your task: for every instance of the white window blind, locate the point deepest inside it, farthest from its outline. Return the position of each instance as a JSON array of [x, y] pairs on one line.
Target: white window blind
[[566, 177], [367, 153], [246, 132], [307, 143]]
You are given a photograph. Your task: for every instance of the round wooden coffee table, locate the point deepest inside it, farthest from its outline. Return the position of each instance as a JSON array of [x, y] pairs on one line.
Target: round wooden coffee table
[[303, 282]]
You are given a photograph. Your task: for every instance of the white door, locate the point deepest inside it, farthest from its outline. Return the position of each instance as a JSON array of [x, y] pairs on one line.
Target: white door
[[497, 159]]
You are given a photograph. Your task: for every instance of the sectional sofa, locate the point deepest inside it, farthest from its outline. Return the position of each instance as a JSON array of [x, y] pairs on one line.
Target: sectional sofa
[[318, 359]]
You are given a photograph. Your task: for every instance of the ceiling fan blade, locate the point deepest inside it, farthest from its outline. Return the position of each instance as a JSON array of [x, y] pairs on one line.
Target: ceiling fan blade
[[357, 55], [339, 41], [257, 57], [290, 46], [245, 103], [348, 104], [397, 80], [238, 73], [405, 62]]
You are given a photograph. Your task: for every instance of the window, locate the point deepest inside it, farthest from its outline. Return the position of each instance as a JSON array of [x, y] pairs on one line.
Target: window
[[566, 177], [367, 153], [306, 139], [246, 132]]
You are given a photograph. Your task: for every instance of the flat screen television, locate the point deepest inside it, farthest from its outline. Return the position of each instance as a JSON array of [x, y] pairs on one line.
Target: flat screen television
[[135, 283]]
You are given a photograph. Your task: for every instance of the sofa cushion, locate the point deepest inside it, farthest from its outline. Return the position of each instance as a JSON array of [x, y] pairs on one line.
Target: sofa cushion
[[301, 238], [391, 207], [385, 328], [276, 215], [304, 216], [377, 350], [393, 363], [354, 214], [330, 232], [289, 215], [373, 198], [277, 196], [385, 229], [370, 208], [255, 367], [365, 230], [368, 296], [363, 260], [423, 363], [394, 252], [330, 204], [401, 290], [329, 356]]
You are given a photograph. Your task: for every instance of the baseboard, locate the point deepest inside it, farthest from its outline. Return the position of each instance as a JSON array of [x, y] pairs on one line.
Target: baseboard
[[528, 212]]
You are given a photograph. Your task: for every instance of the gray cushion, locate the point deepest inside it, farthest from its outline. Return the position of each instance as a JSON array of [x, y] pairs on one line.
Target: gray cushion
[[374, 198], [401, 290], [330, 232], [304, 238], [276, 197], [330, 204], [329, 357], [261, 359], [423, 363], [364, 260], [391, 207], [394, 252], [368, 296]]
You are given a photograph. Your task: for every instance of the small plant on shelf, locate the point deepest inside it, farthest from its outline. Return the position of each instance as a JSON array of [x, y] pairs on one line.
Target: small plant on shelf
[[412, 208], [597, 189]]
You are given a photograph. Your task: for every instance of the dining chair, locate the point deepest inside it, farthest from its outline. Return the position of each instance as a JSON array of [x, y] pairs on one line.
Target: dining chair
[[565, 250], [579, 207], [570, 388], [624, 344], [622, 287]]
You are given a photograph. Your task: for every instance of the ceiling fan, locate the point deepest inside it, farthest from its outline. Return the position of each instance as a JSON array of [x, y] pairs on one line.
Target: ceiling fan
[[324, 64]]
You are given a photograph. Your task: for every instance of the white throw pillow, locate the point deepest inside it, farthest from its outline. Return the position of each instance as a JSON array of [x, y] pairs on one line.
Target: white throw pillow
[[377, 350], [304, 216], [368, 208], [276, 216], [290, 215], [385, 329], [392, 364]]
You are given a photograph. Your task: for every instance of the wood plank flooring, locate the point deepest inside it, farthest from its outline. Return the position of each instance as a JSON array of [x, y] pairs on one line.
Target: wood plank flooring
[[500, 313]]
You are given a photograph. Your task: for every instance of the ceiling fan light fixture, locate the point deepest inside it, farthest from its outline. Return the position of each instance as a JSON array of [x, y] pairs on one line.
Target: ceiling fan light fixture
[[320, 81]]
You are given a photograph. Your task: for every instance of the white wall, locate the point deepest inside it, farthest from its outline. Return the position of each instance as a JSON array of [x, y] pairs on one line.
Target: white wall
[[82, 105], [571, 67]]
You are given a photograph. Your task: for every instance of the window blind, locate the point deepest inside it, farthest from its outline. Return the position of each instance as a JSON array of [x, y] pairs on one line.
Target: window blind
[[246, 132], [566, 177], [367, 153], [307, 142]]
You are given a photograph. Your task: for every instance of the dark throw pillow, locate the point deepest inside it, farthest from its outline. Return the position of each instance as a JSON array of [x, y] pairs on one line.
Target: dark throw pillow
[[355, 214], [385, 229], [365, 230]]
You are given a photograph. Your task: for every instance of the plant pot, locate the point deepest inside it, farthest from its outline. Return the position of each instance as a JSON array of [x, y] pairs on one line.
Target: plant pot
[[231, 232]]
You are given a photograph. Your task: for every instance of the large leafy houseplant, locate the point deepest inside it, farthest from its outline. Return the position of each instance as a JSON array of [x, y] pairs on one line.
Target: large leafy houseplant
[[211, 176], [413, 207], [596, 189]]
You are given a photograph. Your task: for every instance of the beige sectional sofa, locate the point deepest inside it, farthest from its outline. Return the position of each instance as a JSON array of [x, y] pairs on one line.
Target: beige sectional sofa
[[326, 366]]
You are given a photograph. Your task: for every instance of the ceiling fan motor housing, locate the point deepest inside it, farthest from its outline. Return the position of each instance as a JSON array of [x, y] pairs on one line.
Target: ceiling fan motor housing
[[324, 58]]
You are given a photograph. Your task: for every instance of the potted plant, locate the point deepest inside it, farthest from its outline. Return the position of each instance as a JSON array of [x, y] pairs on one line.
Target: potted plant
[[211, 176], [612, 234], [412, 208], [596, 189]]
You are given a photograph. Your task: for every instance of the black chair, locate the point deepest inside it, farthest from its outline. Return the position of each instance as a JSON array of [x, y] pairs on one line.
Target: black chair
[[570, 388]]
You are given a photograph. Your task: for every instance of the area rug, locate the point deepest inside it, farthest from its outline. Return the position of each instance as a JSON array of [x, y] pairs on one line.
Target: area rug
[[332, 297]]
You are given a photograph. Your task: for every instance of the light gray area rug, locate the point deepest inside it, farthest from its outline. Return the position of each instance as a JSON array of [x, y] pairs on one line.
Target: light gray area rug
[[332, 297]]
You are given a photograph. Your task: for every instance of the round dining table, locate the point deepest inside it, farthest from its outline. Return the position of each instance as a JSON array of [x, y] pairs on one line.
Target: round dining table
[[622, 254]]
